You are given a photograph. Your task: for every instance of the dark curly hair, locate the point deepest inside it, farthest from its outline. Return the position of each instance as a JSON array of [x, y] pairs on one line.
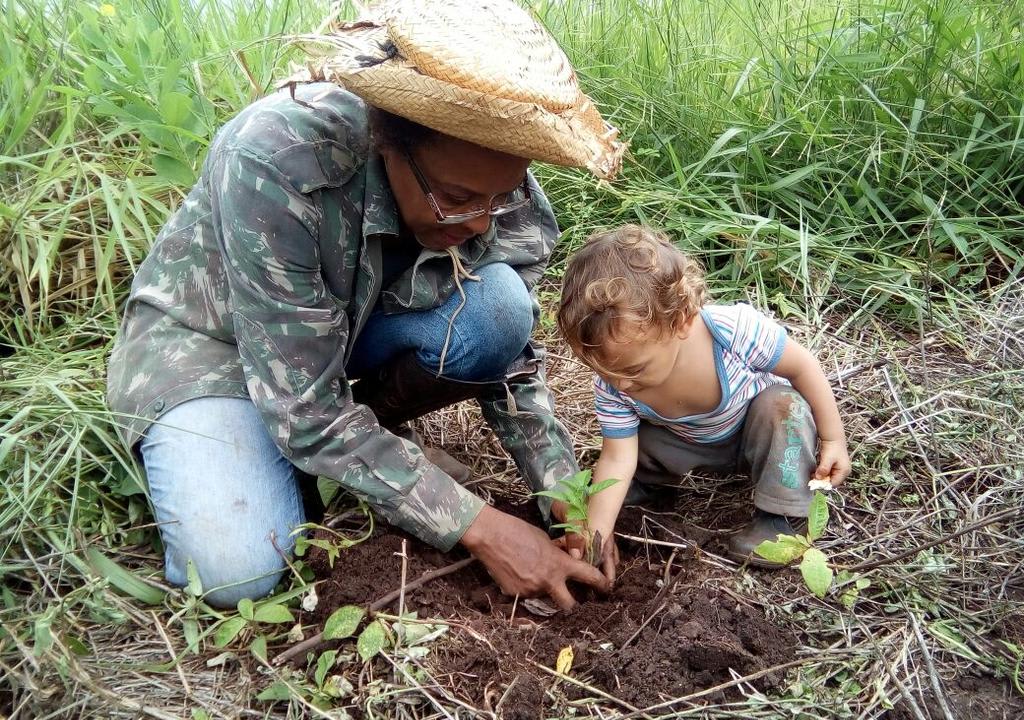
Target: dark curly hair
[[395, 131]]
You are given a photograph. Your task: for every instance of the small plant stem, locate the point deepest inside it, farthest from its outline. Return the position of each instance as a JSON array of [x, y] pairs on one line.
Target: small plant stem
[[401, 588], [379, 604]]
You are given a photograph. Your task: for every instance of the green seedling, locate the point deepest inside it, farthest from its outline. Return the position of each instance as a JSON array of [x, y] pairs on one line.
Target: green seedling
[[575, 491], [787, 549]]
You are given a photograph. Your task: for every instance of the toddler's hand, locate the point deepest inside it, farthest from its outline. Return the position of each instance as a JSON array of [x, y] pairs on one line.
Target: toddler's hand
[[833, 462]]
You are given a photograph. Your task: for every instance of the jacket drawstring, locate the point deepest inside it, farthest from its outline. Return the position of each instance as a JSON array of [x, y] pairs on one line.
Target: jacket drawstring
[[460, 274]]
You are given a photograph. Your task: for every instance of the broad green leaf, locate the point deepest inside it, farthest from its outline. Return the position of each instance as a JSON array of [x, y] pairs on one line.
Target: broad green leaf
[[258, 647], [343, 622], [76, 646], [122, 579], [228, 630], [191, 629], [817, 574], [42, 635], [323, 666], [173, 170], [817, 516], [195, 584], [273, 613], [278, 691], [245, 608], [785, 549], [372, 640], [422, 633]]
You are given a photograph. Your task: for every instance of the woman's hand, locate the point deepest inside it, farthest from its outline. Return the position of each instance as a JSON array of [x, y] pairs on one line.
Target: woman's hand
[[833, 462], [606, 557], [523, 560]]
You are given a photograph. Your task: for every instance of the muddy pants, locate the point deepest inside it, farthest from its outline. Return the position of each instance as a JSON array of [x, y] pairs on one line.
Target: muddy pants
[[777, 444]]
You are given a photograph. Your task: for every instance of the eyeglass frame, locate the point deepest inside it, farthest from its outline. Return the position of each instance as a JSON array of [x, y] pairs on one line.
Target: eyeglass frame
[[457, 218]]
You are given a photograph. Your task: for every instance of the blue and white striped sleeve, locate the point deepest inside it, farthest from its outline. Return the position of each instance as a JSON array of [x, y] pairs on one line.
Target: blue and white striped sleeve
[[615, 416], [757, 339]]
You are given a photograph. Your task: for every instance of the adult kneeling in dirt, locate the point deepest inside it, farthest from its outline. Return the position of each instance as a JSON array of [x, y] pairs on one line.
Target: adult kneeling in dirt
[[388, 234]]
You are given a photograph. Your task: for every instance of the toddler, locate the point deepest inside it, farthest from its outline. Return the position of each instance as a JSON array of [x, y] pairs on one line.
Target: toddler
[[681, 385]]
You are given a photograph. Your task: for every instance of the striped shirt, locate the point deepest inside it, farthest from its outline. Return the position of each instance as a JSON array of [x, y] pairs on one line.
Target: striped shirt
[[747, 346]]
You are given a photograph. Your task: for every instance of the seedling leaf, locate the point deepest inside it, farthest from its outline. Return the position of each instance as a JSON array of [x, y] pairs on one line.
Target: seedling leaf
[[246, 608], [343, 622], [258, 647], [784, 550], [371, 641], [323, 666], [228, 630], [273, 613], [817, 574], [278, 691], [603, 485], [195, 584], [817, 517]]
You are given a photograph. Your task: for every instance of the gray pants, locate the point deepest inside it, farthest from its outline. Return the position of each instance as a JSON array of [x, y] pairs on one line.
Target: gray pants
[[778, 445]]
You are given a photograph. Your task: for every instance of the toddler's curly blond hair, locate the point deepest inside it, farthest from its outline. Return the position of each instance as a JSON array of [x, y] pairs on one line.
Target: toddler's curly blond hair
[[626, 281]]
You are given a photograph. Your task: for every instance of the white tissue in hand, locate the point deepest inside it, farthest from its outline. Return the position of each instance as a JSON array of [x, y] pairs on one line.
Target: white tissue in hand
[[820, 485]]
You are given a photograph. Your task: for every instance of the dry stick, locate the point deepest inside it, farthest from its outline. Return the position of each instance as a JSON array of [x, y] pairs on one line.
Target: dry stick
[[376, 605], [174, 655], [401, 587], [418, 685], [995, 517], [633, 710], [914, 708], [932, 675]]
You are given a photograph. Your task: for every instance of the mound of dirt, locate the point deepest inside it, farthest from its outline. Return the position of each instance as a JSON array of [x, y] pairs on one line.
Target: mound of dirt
[[642, 643]]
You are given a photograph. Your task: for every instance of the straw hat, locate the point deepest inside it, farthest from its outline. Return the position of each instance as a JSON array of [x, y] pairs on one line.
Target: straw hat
[[481, 70]]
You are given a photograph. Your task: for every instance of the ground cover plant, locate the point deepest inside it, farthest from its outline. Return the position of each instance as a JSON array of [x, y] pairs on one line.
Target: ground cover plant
[[853, 167]]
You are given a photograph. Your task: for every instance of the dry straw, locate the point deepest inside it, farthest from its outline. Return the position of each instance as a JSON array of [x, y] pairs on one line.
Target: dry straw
[[485, 72]]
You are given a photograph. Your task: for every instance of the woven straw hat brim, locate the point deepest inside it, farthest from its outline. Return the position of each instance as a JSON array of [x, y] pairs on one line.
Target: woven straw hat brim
[[531, 108]]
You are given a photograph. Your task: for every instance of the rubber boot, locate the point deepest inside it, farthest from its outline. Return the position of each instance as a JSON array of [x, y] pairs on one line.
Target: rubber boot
[[763, 526], [451, 467], [403, 389]]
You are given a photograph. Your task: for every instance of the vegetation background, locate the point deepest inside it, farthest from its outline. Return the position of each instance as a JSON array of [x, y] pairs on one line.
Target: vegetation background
[[846, 163]]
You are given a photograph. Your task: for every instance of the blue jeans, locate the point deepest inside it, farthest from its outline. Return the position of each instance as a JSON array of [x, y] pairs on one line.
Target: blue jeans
[[222, 493]]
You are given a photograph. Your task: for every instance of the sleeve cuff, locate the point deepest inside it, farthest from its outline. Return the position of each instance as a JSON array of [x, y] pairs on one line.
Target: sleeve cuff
[[437, 510], [619, 433]]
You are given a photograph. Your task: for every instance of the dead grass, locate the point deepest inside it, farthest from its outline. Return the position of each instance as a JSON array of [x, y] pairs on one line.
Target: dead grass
[[935, 424]]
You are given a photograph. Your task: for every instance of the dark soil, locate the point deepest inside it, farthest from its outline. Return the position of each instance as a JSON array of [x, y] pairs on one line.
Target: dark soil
[[695, 633]]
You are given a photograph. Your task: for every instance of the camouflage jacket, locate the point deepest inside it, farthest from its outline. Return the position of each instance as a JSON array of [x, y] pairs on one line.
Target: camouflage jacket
[[260, 282]]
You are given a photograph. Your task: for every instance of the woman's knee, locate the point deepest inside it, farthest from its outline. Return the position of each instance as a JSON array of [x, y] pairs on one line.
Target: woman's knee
[[229, 568], [223, 496], [492, 328]]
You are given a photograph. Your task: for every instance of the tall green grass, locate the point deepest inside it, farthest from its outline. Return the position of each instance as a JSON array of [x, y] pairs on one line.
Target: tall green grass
[[835, 151], [860, 153]]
